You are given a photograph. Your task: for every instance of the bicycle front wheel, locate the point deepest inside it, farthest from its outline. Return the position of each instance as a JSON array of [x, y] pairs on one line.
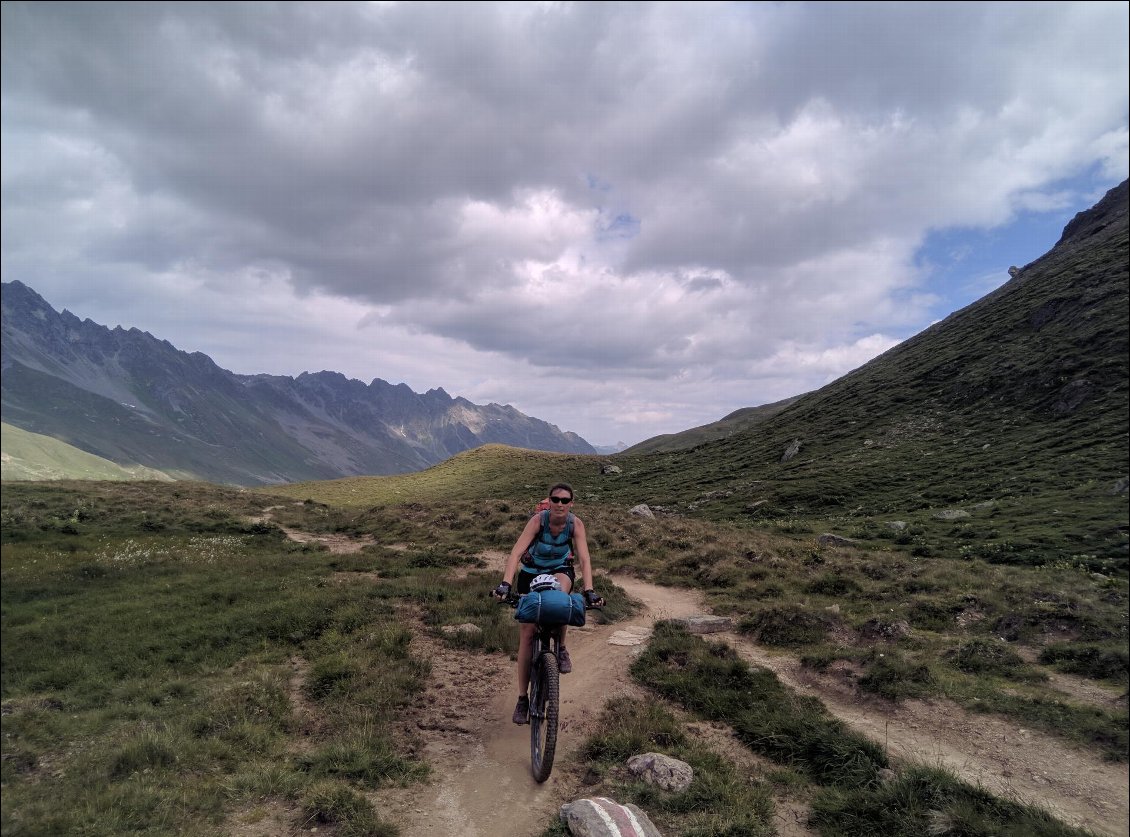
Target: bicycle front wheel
[[543, 714]]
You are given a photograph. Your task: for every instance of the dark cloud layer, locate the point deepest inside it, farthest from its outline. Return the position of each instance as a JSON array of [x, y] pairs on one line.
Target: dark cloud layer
[[679, 192]]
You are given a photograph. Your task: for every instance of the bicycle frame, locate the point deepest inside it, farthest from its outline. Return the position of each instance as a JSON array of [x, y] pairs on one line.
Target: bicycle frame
[[544, 694]]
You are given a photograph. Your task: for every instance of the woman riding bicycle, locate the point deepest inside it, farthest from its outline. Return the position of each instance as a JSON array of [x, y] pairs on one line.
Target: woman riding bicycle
[[551, 543]]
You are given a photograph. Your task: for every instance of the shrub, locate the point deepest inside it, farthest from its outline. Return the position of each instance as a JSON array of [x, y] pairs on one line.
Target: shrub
[[986, 656], [335, 803], [927, 800], [330, 674], [832, 585], [631, 727], [1094, 661], [786, 626], [933, 615], [892, 676]]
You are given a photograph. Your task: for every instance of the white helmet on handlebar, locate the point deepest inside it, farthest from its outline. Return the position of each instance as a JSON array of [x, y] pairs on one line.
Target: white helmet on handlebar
[[545, 581]]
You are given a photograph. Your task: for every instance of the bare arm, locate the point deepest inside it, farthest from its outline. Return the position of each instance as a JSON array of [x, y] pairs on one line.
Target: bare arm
[[581, 544], [520, 546]]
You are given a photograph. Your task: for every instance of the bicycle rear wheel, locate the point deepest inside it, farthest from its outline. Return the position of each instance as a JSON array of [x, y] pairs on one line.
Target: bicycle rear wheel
[[545, 692]]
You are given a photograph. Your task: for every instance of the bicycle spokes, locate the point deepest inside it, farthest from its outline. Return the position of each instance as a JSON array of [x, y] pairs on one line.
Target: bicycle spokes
[[543, 715]]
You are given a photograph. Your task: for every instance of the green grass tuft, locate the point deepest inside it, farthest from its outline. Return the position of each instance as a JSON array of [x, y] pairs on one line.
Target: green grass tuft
[[929, 801]]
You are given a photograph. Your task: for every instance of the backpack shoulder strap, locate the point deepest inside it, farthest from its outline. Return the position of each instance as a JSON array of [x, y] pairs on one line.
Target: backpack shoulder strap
[[543, 521]]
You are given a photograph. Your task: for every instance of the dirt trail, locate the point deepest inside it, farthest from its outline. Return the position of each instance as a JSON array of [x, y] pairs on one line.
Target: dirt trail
[[338, 544], [482, 775], [482, 786], [1005, 759]]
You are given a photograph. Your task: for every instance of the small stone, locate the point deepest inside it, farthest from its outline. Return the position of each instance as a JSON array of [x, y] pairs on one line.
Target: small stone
[[952, 514], [828, 539], [707, 624], [465, 628]]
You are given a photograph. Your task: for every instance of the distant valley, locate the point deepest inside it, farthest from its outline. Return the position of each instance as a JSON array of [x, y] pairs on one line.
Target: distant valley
[[135, 400]]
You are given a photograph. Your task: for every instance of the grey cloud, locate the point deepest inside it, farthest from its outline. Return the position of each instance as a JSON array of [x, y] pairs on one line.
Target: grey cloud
[[234, 109], [754, 156]]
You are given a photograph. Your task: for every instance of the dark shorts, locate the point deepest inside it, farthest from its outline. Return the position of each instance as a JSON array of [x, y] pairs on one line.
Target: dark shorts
[[525, 578]]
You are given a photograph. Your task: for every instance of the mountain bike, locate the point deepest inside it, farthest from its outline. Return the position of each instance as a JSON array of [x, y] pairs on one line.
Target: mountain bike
[[545, 694]]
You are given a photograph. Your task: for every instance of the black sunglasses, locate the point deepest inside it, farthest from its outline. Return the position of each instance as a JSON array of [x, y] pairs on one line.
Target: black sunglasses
[[561, 499]]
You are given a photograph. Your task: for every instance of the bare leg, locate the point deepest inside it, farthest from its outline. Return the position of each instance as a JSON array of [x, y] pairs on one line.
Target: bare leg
[[567, 586], [525, 643]]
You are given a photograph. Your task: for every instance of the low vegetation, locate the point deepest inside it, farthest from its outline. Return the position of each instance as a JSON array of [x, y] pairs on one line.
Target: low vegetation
[[150, 636], [904, 624], [722, 799], [845, 778], [165, 651], [169, 658]]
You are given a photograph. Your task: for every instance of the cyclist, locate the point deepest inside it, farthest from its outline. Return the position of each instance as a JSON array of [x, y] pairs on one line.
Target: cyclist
[[551, 542]]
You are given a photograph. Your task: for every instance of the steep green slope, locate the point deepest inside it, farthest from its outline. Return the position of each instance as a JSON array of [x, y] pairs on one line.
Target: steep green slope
[[31, 456], [1009, 418], [746, 418]]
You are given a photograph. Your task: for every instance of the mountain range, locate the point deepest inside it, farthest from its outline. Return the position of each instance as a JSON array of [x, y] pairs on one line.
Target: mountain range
[[1021, 397], [135, 400]]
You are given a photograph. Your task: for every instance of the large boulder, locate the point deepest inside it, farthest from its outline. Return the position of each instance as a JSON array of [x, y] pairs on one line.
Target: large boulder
[[600, 816], [658, 769]]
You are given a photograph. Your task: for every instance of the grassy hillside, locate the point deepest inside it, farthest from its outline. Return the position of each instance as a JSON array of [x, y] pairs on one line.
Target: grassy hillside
[[31, 456], [738, 421], [1000, 432]]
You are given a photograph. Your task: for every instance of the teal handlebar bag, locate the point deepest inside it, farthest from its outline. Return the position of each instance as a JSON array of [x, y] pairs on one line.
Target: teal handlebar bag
[[551, 607]]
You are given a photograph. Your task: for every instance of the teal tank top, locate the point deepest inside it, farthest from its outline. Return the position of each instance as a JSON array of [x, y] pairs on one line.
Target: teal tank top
[[548, 552]]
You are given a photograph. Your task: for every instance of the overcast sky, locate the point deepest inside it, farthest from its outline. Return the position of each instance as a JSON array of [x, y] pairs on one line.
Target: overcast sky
[[624, 219]]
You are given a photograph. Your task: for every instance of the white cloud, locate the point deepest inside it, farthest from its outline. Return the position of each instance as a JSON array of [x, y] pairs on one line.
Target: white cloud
[[638, 216]]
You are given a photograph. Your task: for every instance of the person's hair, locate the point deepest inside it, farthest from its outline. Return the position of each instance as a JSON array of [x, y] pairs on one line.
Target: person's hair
[[561, 486]]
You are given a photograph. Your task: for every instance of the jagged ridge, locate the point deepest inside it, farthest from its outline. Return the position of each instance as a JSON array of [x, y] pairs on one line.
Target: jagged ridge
[[130, 398]]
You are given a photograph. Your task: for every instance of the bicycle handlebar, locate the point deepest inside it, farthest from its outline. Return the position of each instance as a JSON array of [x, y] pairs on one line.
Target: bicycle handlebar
[[512, 599]]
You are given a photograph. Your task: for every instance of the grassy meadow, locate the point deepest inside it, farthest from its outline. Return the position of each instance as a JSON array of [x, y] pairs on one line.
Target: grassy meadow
[[159, 649], [920, 625]]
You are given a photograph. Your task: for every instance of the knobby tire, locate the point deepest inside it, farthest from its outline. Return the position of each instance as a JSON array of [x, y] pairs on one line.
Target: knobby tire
[[543, 715]]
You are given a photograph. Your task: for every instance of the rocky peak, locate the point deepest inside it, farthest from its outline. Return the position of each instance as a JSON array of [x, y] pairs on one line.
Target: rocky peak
[[1108, 211]]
